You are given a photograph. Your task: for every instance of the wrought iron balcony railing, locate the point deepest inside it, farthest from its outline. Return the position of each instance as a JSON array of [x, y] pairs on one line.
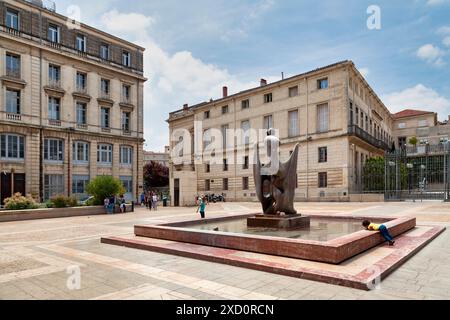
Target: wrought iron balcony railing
[[13, 72], [356, 131]]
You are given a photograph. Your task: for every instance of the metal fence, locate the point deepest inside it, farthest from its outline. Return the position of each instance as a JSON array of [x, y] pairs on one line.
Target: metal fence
[[411, 173]]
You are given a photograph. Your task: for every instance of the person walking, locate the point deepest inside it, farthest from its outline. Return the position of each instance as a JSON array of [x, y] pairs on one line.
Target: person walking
[[155, 201], [202, 206], [142, 199]]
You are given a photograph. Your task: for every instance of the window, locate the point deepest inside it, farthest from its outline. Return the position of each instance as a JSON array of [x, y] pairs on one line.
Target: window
[[127, 183], [81, 81], [105, 86], [12, 19], [80, 43], [245, 127], [225, 184], [126, 90], [225, 110], [208, 168], [293, 92], [245, 166], [245, 183], [126, 121], [104, 51], [12, 147], [322, 117], [293, 126], [362, 120], [13, 65], [53, 33], [13, 101], [54, 112], [126, 59], [53, 150], [105, 117], [80, 152], [126, 155], [206, 115], [81, 113], [367, 123], [322, 84], [323, 154], [350, 120], [268, 122], [268, 98], [401, 142], [53, 185], [357, 116], [323, 180], [79, 184], [224, 130], [54, 74], [423, 123], [207, 138], [207, 185], [225, 165], [104, 153], [245, 104]]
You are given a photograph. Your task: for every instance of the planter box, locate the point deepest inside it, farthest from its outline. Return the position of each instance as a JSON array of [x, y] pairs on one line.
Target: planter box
[[20, 215]]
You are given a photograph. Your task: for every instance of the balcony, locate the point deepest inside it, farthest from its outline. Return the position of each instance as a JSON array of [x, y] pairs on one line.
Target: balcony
[[126, 132], [14, 116], [81, 93], [106, 130], [356, 131], [13, 31], [126, 103], [54, 123], [82, 126], [425, 149], [105, 98], [54, 87]]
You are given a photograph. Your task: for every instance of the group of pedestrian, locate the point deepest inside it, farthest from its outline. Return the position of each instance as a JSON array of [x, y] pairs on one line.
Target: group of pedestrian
[[110, 203], [150, 200]]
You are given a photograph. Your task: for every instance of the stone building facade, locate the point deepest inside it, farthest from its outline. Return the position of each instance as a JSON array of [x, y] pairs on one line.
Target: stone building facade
[[332, 112], [71, 104]]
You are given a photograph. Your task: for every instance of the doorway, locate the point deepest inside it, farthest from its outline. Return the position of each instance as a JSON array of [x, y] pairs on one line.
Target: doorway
[[176, 192], [6, 184]]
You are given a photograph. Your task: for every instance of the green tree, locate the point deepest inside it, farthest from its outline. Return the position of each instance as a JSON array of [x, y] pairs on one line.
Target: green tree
[[104, 187], [374, 176], [413, 141]]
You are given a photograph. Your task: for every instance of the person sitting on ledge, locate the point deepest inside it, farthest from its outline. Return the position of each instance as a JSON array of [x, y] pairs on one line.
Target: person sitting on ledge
[[379, 227]]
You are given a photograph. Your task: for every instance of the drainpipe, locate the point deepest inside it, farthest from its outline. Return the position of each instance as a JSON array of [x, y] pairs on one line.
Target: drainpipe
[[307, 138], [41, 131]]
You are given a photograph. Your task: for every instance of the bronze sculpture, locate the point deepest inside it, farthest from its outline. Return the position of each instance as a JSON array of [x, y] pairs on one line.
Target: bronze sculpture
[[275, 181]]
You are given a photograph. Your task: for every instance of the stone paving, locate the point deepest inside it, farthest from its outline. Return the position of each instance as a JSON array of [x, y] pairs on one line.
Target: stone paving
[[38, 259]]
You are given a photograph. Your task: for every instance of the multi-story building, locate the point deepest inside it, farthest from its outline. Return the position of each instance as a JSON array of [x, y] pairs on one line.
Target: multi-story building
[[159, 157], [71, 104], [332, 112]]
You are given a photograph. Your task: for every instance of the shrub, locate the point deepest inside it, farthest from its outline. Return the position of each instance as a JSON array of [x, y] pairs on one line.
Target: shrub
[[104, 187], [19, 202], [61, 201]]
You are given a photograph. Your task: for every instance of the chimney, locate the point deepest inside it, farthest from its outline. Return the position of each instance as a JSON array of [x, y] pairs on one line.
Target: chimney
[[263, 82], [225, 91], [185, 107]]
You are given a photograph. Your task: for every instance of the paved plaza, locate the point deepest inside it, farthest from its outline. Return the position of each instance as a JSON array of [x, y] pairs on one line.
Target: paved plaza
[[40, 258]]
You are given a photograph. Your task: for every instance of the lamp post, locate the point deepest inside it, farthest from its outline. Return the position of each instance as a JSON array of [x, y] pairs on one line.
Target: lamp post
[[391, 164], [422, 181]]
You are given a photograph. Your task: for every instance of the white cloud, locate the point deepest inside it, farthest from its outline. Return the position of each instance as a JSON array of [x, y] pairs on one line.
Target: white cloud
[[446, 41], [364, 71], [444, 30], [418, 97], [174, 79], [253, 14], [437, 2], [115, 21], [431, 54]]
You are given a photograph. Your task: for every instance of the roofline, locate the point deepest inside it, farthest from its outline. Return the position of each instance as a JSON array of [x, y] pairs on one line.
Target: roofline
[[415, 115], [83, 25], [273, 84]]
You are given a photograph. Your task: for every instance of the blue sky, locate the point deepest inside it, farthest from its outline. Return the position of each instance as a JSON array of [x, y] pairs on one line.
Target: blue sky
[[195, 47]]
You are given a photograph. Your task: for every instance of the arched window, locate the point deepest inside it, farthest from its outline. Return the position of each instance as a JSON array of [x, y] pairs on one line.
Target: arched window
[[12, 147]]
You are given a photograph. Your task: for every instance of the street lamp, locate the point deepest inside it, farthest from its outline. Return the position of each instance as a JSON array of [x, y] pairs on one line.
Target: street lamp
[[410, 166]]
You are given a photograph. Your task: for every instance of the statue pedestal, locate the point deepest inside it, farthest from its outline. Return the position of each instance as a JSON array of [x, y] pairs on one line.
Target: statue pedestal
[[296, 221]]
